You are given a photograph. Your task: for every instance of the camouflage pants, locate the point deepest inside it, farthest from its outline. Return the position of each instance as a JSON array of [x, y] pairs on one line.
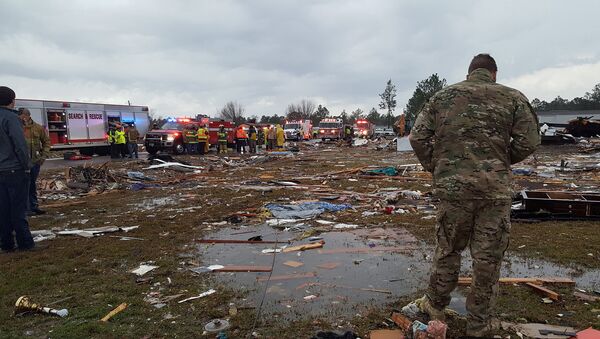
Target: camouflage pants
[[485, 226]]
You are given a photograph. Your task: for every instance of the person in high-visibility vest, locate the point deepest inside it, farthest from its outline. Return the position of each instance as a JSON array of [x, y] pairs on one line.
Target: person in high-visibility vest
[[202, 139], [253, 136], [222, 135], [190, 139], [118, 142], [280, 136], [241, 139], [112, 138]]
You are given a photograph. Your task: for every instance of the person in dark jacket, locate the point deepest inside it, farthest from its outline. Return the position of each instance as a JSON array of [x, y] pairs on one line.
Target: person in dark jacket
[[14, 177]]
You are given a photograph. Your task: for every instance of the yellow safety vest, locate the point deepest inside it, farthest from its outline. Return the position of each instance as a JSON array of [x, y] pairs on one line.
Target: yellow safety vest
[[119, 137], [202, 135]]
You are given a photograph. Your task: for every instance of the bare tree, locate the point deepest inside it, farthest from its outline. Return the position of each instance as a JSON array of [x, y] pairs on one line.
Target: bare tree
[[232, 111], [303, 110]]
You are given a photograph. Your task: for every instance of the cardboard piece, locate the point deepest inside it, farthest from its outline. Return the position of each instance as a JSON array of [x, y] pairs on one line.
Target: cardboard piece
[[329, 265], [386, 334], [292, 263]]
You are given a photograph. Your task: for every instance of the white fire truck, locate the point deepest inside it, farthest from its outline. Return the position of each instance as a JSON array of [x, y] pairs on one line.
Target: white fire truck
[[298, 130], [83, 126]]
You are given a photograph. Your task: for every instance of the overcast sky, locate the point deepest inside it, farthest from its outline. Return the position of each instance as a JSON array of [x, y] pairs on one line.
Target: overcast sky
[[189, 57]]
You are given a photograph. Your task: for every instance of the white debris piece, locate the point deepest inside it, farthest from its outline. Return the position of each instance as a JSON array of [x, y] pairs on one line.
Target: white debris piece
[[143, 269], [201, 295]]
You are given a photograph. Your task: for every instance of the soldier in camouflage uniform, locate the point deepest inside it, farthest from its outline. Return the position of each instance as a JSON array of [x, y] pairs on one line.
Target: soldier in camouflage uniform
[[467, 135]]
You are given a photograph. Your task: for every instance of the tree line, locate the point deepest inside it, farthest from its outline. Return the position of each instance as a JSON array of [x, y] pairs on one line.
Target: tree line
[[307, 110]]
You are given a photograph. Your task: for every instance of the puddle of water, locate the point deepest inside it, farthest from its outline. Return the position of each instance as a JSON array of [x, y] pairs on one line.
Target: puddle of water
[[345, 282]]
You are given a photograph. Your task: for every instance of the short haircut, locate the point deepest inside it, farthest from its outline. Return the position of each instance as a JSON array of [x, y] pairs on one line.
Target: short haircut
[[24, 111], [7, 96], [483, 60]]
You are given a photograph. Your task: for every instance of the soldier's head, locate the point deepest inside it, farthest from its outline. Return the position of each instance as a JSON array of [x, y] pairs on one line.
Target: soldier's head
[[24, 114], [486, 61], [7, 97]]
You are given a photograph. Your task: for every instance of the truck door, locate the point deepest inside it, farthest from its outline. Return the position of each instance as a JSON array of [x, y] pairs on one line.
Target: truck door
[[77, 126], [96, 123]]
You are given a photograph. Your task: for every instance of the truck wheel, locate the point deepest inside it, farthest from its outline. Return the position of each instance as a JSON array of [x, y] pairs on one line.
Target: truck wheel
[[178, 149], [152, 150], [88, 151], [102, 150]]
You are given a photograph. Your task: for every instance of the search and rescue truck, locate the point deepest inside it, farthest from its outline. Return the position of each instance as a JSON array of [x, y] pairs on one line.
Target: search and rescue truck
[[83, 126], [169, 137], [364, 129], [331, 128], [298, 130]]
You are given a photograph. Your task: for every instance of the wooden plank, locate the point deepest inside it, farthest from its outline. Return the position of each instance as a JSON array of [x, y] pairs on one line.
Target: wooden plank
[[242, 268], [367, 250], [232, 241], [304, 247], [585, 297], [63, 204], [114, 312], [465, 281], [289, 276], [544, 291]]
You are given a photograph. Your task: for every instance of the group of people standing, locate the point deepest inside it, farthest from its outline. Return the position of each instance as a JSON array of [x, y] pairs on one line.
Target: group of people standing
[[272, 137], [195, 139], [247, 138], [24, 146], [123, 141]]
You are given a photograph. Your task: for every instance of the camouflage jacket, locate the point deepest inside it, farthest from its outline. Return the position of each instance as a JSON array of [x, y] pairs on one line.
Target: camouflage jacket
[[468, 134], [38, 142]]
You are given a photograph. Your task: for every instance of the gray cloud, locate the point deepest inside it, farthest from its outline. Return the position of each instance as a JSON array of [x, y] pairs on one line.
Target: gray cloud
[[187, 57]]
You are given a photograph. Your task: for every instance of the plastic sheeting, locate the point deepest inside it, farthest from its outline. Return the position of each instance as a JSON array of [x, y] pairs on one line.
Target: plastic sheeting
[[389, 171], [304, 210]]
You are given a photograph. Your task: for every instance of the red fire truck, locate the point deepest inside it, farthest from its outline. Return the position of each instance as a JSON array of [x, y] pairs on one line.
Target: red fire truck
[[331, 128], [364, 128], [169, 137], [83, 126]]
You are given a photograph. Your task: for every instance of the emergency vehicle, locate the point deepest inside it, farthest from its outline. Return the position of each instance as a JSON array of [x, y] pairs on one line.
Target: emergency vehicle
[[169, 137], [364, 129], [331, 128], [83, 126], [298, 130]]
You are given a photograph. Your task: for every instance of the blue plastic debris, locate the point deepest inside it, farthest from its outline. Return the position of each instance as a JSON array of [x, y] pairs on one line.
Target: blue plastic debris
[[304, 210]]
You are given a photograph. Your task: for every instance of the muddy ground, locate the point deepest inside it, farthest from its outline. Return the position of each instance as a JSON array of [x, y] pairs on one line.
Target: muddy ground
[[348, 290]]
